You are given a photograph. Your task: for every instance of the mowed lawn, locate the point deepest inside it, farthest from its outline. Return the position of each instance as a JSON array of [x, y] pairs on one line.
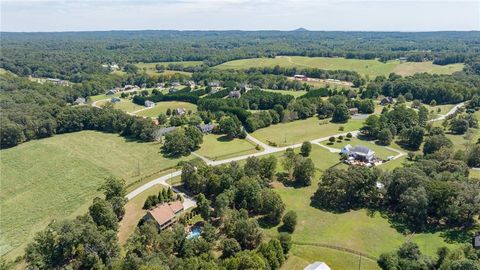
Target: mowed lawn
[[125, 105], [57, 178], [298, 131], [363, 67], [161, 107], [380, 151], [358, 230], [287, 92], [218, 147]]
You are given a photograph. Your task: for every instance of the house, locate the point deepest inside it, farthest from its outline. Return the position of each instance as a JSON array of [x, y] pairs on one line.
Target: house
[[234, 94], [300, 77], [245, 87], [214, 84], [58, 82], [160, 85], [317, 266], [353, 111], [476, 241], [361, 153], [180, 111], [159, 133], [149, 104], [165, 214], [79, 101], [386, 101], [172, 90], [143, 86], [128, 87], [175, 83], [402, 59], [206, 128], [115, 100], [111, 92], [191, 84]]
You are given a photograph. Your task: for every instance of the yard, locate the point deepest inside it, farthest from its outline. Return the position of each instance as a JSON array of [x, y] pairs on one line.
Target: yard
[[161, 107], [125, 105], [357, 230], [218, 147], [285, 134], [380, 151], [70, 167], [371, 68]]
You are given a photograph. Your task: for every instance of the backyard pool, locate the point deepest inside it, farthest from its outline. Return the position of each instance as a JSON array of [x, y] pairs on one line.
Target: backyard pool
[[194, 232]]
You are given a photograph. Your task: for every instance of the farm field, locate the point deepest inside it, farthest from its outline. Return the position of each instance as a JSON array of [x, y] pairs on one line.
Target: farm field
[[287, 92], [371, 68], [358, 230], [218, 147], [285, 134], [151, 70], [164, 105], [380, 151], [71, 167]]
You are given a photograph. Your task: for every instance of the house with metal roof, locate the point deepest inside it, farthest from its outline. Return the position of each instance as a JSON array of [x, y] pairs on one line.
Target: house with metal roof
[[359, 152]]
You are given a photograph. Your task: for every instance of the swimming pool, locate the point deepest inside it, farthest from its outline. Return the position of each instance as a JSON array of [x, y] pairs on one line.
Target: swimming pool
[[195, 232]]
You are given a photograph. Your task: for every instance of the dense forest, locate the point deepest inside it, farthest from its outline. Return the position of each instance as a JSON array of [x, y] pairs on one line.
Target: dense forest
[[76, 56]]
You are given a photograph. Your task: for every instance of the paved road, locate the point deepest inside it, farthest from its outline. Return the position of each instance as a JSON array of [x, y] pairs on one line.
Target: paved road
[[267, 150]]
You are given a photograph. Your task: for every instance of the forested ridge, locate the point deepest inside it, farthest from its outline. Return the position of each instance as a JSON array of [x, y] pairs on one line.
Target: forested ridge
[[74, 55]]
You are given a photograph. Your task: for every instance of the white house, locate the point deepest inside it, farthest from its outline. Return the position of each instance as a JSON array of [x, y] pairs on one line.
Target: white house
[[359, 152], [317, 266], [79, 101], [149, 104]]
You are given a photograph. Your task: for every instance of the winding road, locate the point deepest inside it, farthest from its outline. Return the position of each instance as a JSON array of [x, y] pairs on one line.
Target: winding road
[[189, 202]]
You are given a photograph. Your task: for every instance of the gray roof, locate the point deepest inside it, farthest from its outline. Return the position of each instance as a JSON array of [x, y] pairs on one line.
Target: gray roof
[[317, 266], [206, 127], [361, 149]]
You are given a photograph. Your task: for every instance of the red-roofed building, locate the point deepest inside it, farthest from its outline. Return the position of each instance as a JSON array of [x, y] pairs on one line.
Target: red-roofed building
[[165, 214]]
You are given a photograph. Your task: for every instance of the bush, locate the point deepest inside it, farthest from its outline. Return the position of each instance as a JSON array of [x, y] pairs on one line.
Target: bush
[[290, 221], [306, 149], [331, 139]]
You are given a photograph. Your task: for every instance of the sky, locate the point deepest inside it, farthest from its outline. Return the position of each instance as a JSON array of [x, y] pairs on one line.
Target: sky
[[325, 15]]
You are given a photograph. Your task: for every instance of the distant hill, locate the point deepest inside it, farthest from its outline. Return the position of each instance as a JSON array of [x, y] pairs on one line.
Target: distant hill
[[301, 29]]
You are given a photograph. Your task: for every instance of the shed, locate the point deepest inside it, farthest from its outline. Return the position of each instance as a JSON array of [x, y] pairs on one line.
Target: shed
[[149, 104]]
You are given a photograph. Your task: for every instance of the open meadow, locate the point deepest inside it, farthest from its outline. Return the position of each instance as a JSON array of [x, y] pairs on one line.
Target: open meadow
[[371, 68], [285, 134], [218, 147], [161, 107], [57, 178], [150, 69], [287, 92]]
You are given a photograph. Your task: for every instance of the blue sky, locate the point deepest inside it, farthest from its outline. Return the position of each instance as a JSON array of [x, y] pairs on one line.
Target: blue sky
[[370, 15]]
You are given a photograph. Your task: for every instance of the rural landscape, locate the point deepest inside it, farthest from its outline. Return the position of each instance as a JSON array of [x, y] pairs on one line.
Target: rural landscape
[[166, 149]]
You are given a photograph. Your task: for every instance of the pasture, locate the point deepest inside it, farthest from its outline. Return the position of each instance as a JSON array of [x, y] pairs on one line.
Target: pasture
[[285, 134], [218, 147], [57, 178], [150, 69], [287, 92], [161, 107], [371, 68]]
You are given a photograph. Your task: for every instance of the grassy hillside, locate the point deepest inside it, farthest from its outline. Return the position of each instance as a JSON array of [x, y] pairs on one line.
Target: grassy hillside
[[56, 178], [364, 67]]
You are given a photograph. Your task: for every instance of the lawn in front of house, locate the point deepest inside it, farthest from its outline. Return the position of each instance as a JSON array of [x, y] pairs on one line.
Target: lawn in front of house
[[380, 151], [150, 68], [71, 167], [284, 134], [218, 147], [161, 107]]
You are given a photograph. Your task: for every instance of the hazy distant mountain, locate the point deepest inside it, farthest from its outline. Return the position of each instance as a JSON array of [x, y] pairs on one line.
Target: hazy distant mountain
[[301, 29]]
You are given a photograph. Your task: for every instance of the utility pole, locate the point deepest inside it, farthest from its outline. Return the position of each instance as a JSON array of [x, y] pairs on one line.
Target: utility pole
[[360, 262]]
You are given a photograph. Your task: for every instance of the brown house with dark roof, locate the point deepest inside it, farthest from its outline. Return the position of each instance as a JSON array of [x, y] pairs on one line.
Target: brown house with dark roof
[[165, 214]]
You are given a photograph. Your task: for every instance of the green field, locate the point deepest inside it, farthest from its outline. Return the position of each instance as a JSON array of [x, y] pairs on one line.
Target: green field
[[380, 151], [287, 92], [124, 105], [218, 147], [285, 134], [164, 105], [151, 70], [358, 230], [371, 68], [57, 177]]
